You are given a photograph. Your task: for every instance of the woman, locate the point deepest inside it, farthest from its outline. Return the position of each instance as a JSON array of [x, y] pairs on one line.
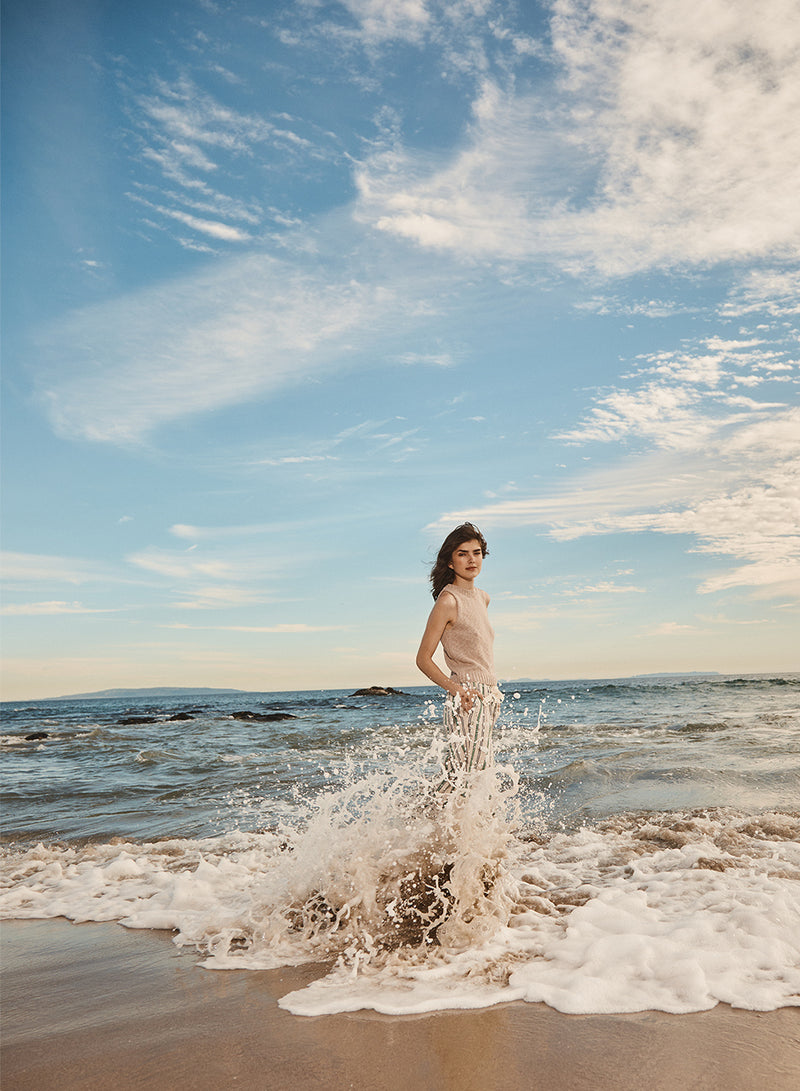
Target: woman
[[460, 622]]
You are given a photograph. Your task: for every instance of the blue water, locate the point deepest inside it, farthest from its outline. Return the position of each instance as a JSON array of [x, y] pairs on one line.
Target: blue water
[[583, 749]]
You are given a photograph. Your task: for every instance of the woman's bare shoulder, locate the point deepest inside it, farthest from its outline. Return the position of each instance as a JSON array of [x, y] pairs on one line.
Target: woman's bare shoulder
[[447, 601]]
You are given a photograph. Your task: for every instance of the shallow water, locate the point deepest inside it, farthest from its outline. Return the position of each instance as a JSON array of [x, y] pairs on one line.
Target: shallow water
[[638, 846]]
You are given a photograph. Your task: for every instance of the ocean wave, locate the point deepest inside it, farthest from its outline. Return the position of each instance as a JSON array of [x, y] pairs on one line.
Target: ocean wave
[[700, 727], [416, 904], [761, 680], [154, 757]]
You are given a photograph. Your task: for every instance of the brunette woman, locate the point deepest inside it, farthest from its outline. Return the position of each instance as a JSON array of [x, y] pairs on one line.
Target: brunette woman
[[460, 622]]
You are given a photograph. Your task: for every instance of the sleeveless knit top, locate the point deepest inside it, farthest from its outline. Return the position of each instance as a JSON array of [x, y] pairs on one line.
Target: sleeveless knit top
[[468, 641]]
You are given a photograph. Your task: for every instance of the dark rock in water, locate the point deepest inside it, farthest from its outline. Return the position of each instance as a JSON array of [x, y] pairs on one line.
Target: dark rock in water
[[263, 717], [180, 716], [419, 905], [36, 735], [138, 720], [377, 691]]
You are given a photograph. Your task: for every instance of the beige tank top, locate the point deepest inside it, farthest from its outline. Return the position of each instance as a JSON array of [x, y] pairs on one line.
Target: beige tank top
[[468, 641]]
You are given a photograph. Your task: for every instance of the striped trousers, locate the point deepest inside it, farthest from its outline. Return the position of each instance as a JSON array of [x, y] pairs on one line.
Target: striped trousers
[[470, 746]]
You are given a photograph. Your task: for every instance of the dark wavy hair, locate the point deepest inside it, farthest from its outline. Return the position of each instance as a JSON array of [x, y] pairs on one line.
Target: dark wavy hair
[[441, 573]]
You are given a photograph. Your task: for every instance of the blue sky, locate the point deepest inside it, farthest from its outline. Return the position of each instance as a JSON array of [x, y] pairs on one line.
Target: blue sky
[[291, 289]]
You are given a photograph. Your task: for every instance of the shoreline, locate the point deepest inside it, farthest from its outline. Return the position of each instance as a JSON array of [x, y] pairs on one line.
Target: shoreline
[[99, 1006]]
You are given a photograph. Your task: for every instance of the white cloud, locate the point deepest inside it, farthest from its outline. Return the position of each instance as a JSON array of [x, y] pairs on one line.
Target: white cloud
[[748, 509], [184, 118], [296, 460], [189, 136], [466, 33], [227, 75], [674, 141], [724, 621], [250, 327], [221, 597], [605, 587], [719, 468], [382, 20], [673, 628], [649, 308], [234, 332], [36, 568], [666, 413], [39, 609], [483, 201], [213, 228], [441, 359], [176, 156], [205, 576], [692, 401], [774, 292], [289, 628], [195, 533], [219, 204], [185, 566]]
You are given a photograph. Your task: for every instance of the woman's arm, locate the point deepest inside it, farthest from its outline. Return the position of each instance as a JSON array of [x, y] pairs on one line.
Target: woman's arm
[[444, 611]]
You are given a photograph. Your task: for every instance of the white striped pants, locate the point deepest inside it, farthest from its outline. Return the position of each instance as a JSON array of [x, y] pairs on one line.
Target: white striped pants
[[470, 746]]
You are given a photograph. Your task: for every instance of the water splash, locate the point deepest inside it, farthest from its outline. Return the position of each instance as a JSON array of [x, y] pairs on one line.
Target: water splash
[[382, 864], [415, 904]]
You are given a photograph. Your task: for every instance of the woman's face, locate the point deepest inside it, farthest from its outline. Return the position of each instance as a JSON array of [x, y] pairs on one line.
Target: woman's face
[[467, 560]]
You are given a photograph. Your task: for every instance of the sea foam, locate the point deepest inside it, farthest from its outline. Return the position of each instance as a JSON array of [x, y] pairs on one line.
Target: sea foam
[[416, 903]]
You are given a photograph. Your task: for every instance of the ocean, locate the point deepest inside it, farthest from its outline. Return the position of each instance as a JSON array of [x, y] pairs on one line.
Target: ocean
[[636, 847]]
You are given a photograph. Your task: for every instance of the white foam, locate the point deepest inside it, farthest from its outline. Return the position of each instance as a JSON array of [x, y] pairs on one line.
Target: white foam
[[660, 928], [418, 906]]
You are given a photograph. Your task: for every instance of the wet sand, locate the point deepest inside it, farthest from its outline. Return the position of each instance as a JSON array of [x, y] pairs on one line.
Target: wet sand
[[95, 1007]]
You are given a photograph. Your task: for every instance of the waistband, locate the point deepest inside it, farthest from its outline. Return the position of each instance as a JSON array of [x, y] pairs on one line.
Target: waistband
[[475, 678], [490, 693]]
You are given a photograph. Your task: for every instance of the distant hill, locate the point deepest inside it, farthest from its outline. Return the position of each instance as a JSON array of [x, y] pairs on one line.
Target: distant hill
[[616, 677], [679, 674], [152, 691]]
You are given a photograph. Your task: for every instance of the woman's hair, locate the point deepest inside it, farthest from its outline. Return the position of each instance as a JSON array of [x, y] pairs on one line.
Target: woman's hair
[[441, 573]]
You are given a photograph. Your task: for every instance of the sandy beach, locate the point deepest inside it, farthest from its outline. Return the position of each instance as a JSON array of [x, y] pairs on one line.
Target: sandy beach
[[96, 1006]]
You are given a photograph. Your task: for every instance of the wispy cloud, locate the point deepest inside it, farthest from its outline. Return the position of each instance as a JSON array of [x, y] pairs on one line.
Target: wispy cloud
[[748, 510], [40, 609], [289, 628], [700, 174], [724, 620], [384, 20], [195, 533], [182, 566], [242, 330], [774, 292], [468, 35], [688, 396], [713, 465], [674, 142], [604, 587], [196, 145], [220, 597], [186, 119], [218, 571], [296, 460], [214, 228], [649, 308], [37, 568], [674, 628], [443, 359], [194, 564]]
